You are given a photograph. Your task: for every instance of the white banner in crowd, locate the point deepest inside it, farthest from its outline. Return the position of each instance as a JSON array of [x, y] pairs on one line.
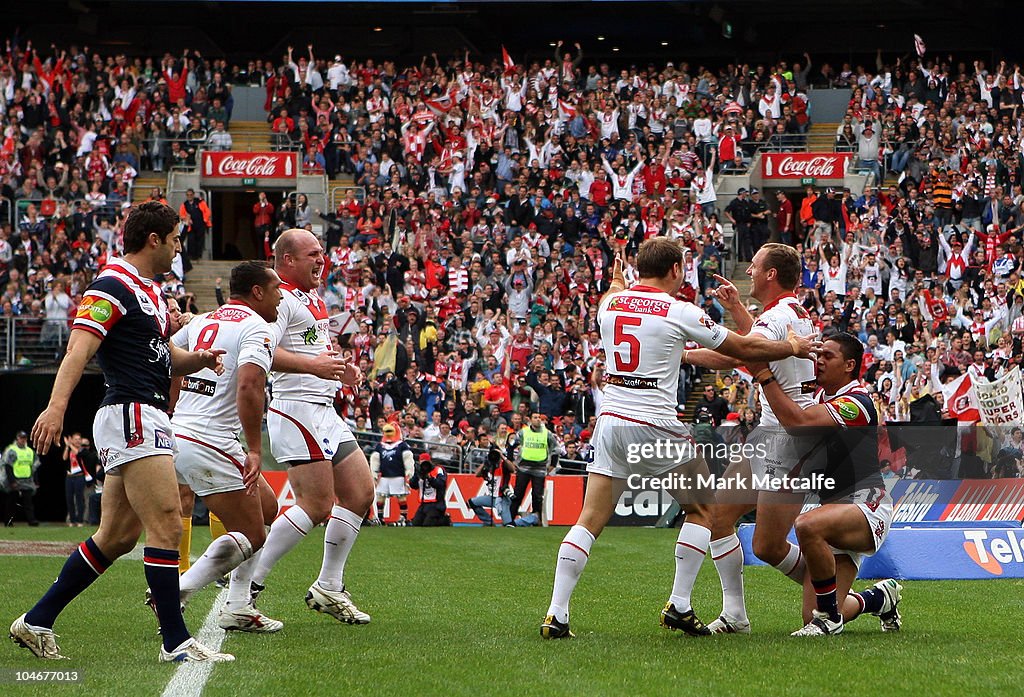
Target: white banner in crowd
[[1001, 402]]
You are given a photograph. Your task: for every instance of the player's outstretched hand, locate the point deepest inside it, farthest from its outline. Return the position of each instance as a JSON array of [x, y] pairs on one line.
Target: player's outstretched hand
[[47, 429], [804, 346], [213, 359], [328, 366], [726, 292], [251, 473], [617, 274]]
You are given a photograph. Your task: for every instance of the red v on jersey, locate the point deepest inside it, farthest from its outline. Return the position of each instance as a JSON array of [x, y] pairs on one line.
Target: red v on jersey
[[310, 299]]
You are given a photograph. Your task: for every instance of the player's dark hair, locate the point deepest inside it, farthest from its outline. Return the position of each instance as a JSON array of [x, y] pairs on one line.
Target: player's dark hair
[[786, 262], [145, 219], [246, 275], [657, 256], [850, 346]]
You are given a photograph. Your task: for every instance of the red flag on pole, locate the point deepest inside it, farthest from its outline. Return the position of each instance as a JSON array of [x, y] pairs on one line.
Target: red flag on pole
[[510, 67], [961, 399], [919, 45]]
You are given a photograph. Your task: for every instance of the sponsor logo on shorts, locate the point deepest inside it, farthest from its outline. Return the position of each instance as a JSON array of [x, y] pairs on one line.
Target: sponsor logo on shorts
[[162, 440], [631, 382], [880, 529], [992, 554], [327, 447], [198, 385]]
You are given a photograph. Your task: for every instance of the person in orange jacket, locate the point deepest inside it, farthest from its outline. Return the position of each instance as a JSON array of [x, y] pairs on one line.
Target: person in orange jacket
[[195, 215]]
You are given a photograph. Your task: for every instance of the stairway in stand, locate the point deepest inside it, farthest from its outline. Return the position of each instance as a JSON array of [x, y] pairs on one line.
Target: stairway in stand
[[144, 184], [250, 136], [742, 283], [201, 280]]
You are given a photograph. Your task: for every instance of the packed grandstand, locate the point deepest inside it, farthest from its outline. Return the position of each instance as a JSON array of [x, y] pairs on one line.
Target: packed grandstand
[[494, 195]]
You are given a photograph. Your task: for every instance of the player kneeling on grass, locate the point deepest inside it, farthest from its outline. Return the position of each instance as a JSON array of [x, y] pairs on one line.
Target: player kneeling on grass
[[206, 423], [856, 511], [643, 331]]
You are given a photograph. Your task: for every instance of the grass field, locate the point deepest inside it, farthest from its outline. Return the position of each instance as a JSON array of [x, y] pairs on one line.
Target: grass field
[[457, 611]]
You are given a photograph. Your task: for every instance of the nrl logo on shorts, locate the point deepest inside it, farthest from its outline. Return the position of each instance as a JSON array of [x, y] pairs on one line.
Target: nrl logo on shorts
[[309, 336], [162, 440]]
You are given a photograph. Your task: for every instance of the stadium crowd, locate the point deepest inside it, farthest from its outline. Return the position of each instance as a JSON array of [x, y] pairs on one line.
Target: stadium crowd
[[496, 195]]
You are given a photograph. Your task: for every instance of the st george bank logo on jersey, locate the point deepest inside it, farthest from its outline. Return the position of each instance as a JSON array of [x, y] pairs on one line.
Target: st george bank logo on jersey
[[640, 306], [992, 550]]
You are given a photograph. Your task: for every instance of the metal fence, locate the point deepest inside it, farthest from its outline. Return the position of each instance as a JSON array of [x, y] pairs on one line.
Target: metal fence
[[31, 342]]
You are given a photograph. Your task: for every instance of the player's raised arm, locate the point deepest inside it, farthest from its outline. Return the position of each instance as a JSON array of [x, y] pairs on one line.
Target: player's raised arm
[[82, 346], [618, 283], [729, 296]]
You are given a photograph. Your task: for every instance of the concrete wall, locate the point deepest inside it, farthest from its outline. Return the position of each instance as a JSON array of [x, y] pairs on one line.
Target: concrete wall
[[828, 106], [248, 103]]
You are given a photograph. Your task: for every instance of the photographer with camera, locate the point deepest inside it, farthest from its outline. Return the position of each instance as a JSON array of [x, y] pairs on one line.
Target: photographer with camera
[[495, 471], [432, 481]]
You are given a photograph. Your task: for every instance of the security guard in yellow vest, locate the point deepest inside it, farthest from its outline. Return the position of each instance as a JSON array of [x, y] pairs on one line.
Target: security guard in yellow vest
[[20, 463], [537, 453]]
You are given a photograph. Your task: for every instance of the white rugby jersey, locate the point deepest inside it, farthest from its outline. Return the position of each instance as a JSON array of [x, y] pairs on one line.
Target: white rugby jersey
[[795, 376], [643, 332], [302, 327], [207, 402]]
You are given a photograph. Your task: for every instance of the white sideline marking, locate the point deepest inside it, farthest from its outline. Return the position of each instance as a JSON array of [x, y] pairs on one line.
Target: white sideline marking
[[190, 678]]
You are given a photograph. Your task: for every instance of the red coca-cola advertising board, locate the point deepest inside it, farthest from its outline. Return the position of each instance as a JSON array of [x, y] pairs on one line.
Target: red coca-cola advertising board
[[803, 165], [249, 165]]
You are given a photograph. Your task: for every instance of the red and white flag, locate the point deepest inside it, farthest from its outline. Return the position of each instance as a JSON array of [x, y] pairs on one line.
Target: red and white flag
[[506, 59], [441, 105], [732, 108], [919, 45], [933, 309], [566, 111], [961, 399]]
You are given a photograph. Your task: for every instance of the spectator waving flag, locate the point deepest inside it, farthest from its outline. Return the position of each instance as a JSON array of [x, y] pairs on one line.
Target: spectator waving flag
[[961, 399], [566, 111], [919, 45], [506, 59], [441, 105]]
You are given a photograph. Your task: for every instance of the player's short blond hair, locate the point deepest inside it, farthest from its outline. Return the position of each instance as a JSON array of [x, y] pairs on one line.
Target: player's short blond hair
[[786, 262], [657, 256]]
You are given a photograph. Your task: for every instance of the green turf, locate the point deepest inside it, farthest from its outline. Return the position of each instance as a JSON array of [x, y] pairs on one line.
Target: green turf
[[457, 612]]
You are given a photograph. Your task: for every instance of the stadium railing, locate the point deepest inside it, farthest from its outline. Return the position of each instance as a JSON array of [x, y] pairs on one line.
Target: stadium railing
[[338, 194], [31, 342], [451, 457]]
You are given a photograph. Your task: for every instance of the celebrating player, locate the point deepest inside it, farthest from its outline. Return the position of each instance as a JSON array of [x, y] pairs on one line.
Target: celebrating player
[[643, 331], [856, 512], [774, 274], [324, 461], [124, 320], [208, 417], [392, 464]]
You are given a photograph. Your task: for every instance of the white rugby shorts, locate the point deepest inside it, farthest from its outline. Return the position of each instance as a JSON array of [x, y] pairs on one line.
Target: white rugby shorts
[[127, 432], [209, 465], [776, 454], [392, 486], [625, 445], [304, 432]]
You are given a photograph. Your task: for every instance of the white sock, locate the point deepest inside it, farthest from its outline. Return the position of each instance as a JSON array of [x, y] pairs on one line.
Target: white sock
[[793, 565], [727, 553], [342, 530], [238, 590], [223, 555], [287, 531], [691, 545], [572, 558]]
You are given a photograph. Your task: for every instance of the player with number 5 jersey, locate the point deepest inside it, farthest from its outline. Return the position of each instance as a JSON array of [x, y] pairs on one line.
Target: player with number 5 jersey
[[643, 332]]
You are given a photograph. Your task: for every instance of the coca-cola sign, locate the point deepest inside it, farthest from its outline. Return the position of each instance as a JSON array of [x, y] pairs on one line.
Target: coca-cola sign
[[249, 165], [800, 165]]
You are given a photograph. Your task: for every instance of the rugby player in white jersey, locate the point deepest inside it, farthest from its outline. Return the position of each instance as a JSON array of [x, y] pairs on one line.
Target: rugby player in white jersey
[[211, 411], [327, 469], [774, 274], [856, 510], [643, 331]]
